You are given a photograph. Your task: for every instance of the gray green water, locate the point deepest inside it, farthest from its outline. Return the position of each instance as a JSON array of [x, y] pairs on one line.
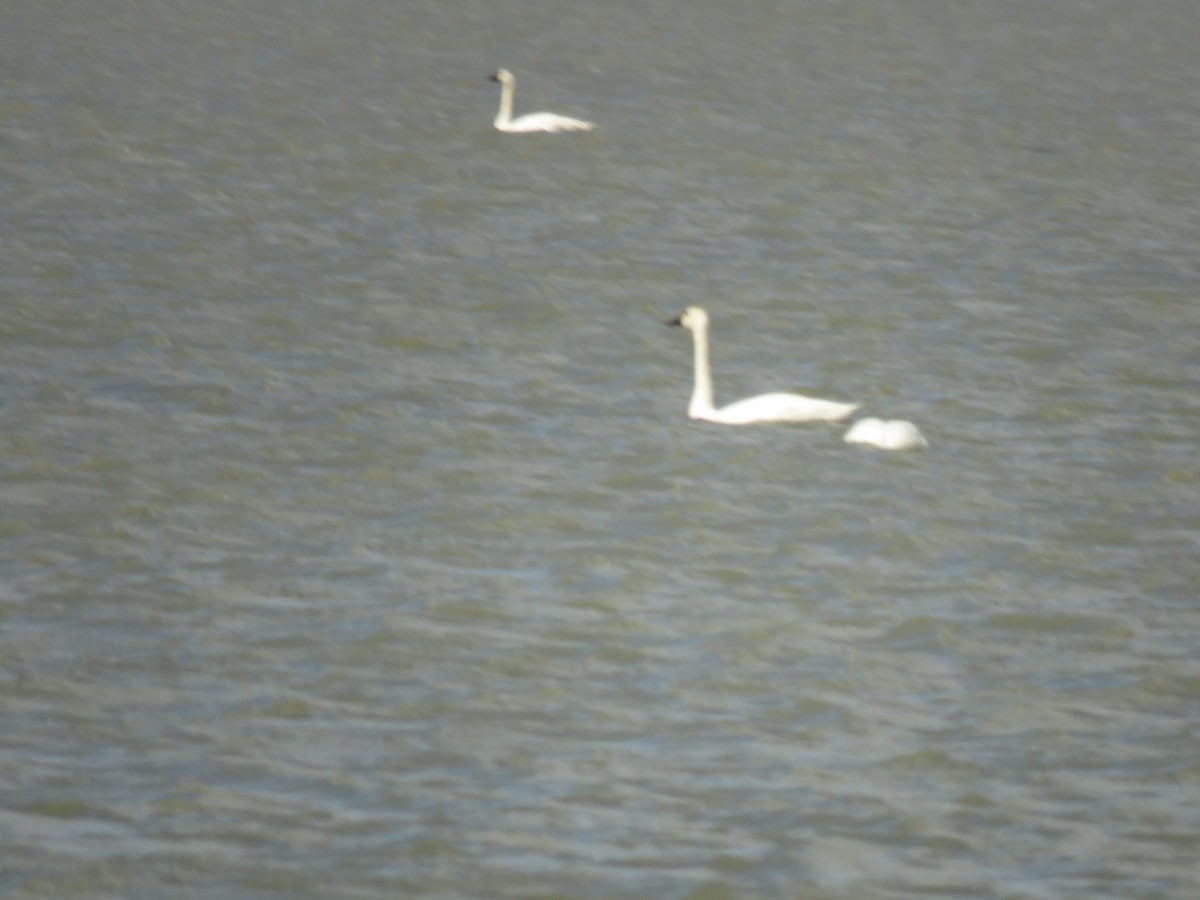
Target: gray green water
[[354, 542]]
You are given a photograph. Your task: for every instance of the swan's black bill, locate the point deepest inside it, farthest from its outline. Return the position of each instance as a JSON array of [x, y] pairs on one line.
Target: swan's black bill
[[493, 77], [678, 320]]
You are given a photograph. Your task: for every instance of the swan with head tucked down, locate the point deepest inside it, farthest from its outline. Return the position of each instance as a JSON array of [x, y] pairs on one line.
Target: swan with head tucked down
[[763, 408], [531, 122], [886, 434]]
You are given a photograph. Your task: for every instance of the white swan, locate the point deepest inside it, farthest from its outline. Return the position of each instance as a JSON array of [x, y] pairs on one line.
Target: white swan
[[763, 408], [890, 434], [539, 121]]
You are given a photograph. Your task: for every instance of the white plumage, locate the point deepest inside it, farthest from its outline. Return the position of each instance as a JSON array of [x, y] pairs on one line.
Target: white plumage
[[778, 407], [531, 122], [886, 434]]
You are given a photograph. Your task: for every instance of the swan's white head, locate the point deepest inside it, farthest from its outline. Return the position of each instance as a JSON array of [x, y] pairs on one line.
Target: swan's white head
[[693, 318], [503, 76]]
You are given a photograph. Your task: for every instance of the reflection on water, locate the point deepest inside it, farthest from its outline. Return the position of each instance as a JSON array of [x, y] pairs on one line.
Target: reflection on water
[[356, 541]]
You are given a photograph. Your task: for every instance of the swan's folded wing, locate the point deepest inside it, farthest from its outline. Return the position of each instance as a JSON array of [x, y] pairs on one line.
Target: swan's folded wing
[[784, 408]]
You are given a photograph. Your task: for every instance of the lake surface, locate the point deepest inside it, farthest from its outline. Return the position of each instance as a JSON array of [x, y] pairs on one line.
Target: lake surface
[[355, 542]]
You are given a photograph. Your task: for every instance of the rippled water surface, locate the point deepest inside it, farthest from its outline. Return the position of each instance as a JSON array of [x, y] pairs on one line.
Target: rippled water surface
[[355, 542]]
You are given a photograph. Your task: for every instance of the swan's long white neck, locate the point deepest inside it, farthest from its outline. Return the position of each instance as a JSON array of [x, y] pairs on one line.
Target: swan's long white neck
[[504, 116], [701, 406]]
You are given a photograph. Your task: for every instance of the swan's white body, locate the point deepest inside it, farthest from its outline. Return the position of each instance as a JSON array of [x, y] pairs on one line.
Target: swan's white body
[[890, 434], [539, 121], [763, 408]]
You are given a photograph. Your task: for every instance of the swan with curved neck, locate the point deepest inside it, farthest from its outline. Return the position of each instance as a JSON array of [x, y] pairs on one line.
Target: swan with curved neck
[[539, 121], [777, 407]]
